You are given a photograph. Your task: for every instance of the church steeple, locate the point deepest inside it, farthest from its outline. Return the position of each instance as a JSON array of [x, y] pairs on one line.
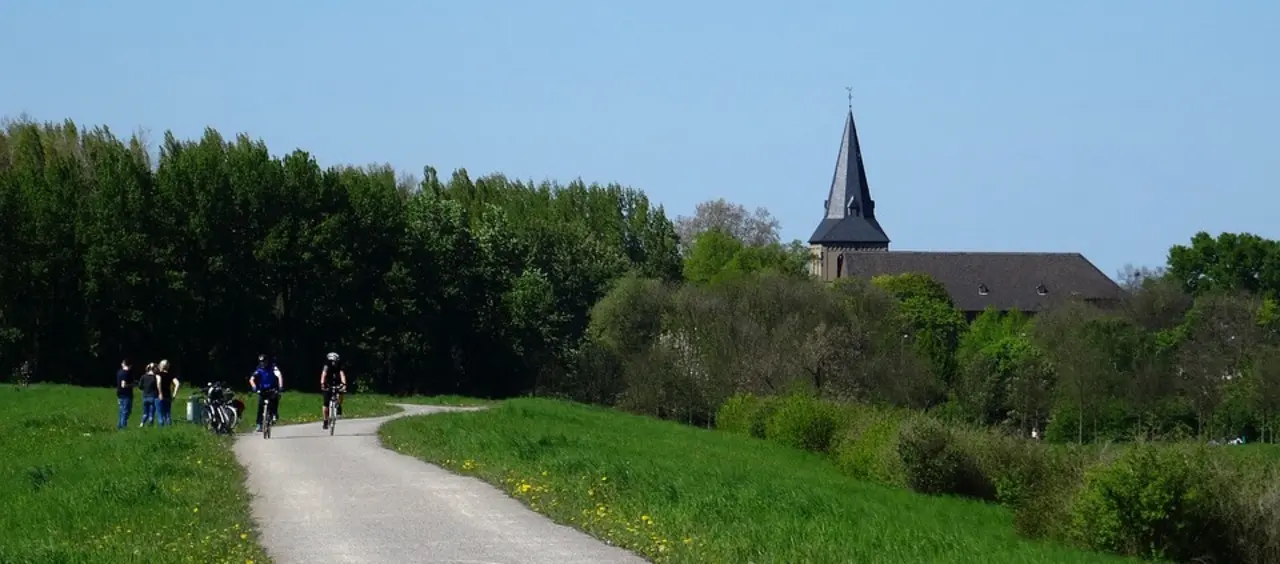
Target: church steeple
[[850, 220]]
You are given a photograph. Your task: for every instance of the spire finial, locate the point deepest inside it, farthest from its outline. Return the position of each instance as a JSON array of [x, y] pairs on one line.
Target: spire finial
[[849, 89]]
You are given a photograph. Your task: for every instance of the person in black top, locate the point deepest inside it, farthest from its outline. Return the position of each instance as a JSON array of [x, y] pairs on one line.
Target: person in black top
[[168, 390], [124, 393], [332, 381], [149, 385]]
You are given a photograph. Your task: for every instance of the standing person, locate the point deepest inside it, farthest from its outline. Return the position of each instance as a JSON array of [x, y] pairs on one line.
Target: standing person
[[124, 394], [168, 390], [267, 381], [332, 381], [149, 385]]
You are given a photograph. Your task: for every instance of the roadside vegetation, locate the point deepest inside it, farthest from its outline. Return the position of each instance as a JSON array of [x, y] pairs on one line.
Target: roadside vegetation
[[676, 493], [74, 489], [207, 252]]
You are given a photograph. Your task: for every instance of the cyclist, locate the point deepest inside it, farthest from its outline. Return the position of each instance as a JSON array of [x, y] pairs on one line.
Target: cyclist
[[332, 381], [267, 381]]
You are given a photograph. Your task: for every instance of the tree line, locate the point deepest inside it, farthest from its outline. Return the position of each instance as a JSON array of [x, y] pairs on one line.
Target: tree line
[[217, 250], [214, 250], [1193, 349]]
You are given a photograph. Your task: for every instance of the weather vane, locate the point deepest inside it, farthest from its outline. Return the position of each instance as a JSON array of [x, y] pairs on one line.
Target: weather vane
[[849, 89]]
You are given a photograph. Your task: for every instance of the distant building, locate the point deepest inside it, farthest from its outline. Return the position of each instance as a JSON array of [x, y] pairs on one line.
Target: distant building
[[849, 241]]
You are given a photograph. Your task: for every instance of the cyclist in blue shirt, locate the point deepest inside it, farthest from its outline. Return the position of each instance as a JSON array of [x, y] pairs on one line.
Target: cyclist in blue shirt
[[267, 381]]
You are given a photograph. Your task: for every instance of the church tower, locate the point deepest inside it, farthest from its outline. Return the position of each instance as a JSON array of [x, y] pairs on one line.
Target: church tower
[[850, 221]]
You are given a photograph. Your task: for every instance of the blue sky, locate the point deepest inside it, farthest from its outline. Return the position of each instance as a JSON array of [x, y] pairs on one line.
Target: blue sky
[[1115, 129]]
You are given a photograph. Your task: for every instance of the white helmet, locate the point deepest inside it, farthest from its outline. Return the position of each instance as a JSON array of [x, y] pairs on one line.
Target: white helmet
[[333, 357]]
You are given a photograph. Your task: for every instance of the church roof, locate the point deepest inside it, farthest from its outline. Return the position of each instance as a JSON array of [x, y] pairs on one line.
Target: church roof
[[1027, 282], [850, 218]]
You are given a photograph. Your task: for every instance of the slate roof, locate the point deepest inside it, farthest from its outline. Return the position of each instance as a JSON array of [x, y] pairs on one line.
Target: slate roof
[[1012, 281], [850, 218]]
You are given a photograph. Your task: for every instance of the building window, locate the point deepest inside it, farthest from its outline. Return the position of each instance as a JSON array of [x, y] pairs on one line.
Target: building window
[[1040, 289], [983, 290], [839, 266]]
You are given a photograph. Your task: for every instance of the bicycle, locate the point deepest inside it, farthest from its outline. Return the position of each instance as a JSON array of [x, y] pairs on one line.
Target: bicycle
[[333, 406], [268, 416], [217, 411]]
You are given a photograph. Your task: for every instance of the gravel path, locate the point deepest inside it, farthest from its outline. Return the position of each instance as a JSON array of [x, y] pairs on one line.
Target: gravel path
[[344, 498]]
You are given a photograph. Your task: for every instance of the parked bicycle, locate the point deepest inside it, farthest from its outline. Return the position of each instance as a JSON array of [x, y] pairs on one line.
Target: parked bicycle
[[218, 408]]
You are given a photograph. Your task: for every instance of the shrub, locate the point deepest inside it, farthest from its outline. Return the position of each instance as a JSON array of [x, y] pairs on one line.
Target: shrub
[[760, 421], [1255, 521], [802, 421], [1038, 482], [934, 462], [738, 414], [867, 449], [1154, 501], [1016, 467], [1250, 503]]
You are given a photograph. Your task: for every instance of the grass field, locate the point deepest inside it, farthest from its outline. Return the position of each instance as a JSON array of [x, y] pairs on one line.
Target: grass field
[[679, 494], [76, 490]]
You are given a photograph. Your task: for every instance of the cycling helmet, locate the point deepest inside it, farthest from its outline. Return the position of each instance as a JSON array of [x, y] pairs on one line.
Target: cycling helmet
[[333, 357]]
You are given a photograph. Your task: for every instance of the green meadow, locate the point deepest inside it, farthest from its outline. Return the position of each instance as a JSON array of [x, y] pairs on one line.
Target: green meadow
[[676, 493]]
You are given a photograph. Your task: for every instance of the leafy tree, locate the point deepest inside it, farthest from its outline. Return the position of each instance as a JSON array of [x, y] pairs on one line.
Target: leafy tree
[[1231, 262], [756, 229]]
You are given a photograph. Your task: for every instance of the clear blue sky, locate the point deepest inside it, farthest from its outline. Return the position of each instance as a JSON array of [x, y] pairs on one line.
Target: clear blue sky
[[1115, 129]]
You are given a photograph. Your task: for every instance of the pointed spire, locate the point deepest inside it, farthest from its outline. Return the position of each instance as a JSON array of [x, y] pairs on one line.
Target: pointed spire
[[850, 217]]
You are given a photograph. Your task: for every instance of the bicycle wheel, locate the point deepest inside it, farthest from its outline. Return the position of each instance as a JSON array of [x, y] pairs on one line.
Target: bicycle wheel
[[266, 420], [208, 415], [333, 417], [229, 415]]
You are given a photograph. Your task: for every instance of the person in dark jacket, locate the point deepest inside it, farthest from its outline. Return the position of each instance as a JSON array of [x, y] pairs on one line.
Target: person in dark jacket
[[149, 385], [168, 390], [124, 394], [268, 382]]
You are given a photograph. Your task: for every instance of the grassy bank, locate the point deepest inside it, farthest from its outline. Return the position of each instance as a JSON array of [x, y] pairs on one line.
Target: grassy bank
[[1185, 502], [681, 494], [76, 490]]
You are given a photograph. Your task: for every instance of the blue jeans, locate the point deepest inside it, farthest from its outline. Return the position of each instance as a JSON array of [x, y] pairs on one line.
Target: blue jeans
[[126, 408], [166, 412], [149, 409]]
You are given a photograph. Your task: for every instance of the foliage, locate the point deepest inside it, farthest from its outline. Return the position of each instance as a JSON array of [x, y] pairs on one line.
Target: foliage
[[935, 463], [740, 414], [220, 250], [758, 229], [716, 255], [802, 421], [910, 285], [1153, 502], [673, 493]]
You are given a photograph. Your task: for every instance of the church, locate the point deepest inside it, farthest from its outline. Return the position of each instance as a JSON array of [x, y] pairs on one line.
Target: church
[[850, 242]]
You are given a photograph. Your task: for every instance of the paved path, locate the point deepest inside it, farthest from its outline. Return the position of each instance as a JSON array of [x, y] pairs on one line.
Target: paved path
[[344, 498]]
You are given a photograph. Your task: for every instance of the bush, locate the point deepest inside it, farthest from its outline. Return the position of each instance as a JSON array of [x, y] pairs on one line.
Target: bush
[[738, 414], [935, 463], [746, 414], [1255, 521], [1017, 467], [1155, 501], [1036, 480], [804, 422], [760, 421], [867, 449]]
